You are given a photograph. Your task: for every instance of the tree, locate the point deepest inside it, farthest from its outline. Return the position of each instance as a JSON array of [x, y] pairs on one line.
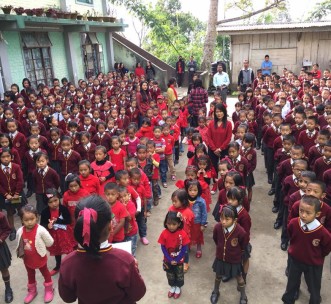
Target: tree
[[321, 10], [210, 40]]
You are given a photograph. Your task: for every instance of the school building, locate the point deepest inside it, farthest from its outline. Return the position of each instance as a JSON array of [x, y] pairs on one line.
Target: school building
[[43, 48], [290, 45]]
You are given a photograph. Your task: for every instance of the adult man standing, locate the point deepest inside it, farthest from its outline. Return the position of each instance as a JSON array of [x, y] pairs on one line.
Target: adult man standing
[[266, 66], [221, 82], [245, 77], [180, 70], [192, 68]]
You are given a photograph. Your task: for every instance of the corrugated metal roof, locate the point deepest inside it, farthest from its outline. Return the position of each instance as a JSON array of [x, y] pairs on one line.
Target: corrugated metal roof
[[275, 26]]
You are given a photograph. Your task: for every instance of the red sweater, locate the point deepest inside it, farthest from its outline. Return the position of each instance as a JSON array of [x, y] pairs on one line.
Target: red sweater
[[91, 184], [71, 199], [124, 283], [219, 137], [170, 142], [309, 247], [231, 247]]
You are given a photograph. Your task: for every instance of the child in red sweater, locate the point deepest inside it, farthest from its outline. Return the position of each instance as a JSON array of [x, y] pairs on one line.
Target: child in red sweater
[[88, 181], [310, 243], [131, 226], [120, 213], [169, 162], [72, 196], [117, 155]]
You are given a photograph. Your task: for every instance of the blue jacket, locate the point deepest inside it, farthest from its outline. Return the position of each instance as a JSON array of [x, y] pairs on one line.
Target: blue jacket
[[200, 211]]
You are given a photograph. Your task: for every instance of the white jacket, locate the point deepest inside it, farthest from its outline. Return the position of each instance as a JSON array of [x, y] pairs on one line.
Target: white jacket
[[43, 240]]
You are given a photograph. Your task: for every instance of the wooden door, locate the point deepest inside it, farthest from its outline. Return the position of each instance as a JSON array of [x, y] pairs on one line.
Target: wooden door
[[240, 52], [324, 54]]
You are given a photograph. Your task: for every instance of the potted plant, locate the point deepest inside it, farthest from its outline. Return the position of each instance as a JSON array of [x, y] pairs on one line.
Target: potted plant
[[80, 17], [111, 14], [89, 16], [74, 15], [60, 14], [29, 11], [51, 13], [7, 9], [19, 10], [38, 12], [67, 15]]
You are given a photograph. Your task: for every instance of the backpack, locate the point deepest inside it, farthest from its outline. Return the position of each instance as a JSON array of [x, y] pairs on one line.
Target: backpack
[[149, 168]]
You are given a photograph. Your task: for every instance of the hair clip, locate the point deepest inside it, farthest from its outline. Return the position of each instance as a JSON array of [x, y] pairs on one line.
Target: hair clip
[[180, 216], [0, 150], [49, 195]]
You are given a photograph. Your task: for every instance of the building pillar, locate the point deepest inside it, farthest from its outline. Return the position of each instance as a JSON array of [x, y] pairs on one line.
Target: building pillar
[[71, 56], [110, 50], [5, 73]]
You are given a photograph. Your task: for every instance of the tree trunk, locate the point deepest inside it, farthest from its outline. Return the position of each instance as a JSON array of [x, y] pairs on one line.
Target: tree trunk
[[210, 40]]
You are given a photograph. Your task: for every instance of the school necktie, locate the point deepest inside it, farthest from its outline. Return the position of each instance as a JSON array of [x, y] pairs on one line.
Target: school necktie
[[41, 172], [226, 231], [66, 154], [11, 136], [305, 228], [310, 134], [7, 171]]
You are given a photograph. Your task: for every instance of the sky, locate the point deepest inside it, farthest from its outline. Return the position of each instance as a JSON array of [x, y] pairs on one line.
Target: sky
[[297, 9]]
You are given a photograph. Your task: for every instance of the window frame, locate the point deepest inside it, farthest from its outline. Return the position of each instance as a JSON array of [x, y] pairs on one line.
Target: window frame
[[84, 2]]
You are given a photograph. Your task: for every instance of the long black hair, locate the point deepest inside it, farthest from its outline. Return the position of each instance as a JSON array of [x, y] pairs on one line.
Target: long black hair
[[102, 209], [221, 107]]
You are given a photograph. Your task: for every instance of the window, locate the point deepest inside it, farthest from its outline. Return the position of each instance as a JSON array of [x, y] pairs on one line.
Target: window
[[85, 1], [92, 54], [37, 58]]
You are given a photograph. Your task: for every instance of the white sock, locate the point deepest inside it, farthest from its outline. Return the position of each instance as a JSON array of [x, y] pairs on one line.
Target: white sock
[[177, 290], [172, 289]]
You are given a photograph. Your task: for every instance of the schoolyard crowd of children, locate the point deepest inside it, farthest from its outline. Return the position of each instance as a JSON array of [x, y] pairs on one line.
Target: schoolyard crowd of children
[[69, 142]]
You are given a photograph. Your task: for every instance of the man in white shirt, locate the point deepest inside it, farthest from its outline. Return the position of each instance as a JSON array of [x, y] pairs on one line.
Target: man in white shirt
[[221, 82]]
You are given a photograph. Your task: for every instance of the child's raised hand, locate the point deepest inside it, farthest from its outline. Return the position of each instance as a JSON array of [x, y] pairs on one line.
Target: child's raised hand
[[50, 224], [102, 179], [9, 197]]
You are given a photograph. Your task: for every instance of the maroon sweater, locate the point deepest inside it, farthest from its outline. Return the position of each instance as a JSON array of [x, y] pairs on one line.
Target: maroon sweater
[[14, 183], [4, 227], [284, 169], [320, 167], [306, 141], [50, 180], [222, 200], [281, 155], [270, 136], [289, 187], [250, 155], [244, 220], [19, 143], [296, 131], [104, 141], [314, 153], [54, 149], [327, 181], [70, 164], [324, 218], [230, 248], [88, 154], [121, 284], [309, 247]]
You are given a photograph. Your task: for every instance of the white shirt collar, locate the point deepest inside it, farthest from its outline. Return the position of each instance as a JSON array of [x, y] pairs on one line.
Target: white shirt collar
[[104, 245], [302, 193], [229, 229], [88, 145], [312, 225], [31, 152], [14, 133], [3, 167]]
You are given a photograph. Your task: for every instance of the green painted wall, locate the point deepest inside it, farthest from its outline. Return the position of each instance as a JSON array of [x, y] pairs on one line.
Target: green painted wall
[[102, 40], [14, 50], [79, 55], [59, 60]]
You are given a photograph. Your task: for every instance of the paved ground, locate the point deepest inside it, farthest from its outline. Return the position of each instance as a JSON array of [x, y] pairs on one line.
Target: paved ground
[[266, 279]]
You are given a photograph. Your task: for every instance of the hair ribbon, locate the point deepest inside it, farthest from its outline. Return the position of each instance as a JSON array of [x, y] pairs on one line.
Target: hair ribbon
[[87, 213]]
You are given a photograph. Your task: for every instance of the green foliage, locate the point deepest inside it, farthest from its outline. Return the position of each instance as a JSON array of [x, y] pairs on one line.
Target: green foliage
[[171, 31], [321, 10], [222, 50]]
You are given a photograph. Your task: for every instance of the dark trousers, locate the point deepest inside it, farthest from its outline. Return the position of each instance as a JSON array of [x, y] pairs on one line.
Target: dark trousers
[[55, 164], [141, 221], [176, 148], [215, 159], [278, 188], [284, 236], [163, 168], [223, 93], [194, 121], [175, 274], [29, 182], [269, 153], [313, 278], [281, 207], [259, 136], [41, 199], [190, 76], [180, 77]]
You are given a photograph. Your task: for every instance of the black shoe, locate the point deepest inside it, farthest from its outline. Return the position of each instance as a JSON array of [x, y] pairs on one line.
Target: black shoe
[[29, 194], [271, 192], [286, 271], [12, 235], [274, 209], [243, 300], [283, 246], [214, 297], [269, 181], [176, 162], [296, 294], [258, 148], [277, 225], [225, 279], [9, 297]]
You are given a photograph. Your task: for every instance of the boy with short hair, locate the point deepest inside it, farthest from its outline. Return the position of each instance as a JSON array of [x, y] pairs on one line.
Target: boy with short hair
[[310, 243], [323, 163], [119, 212], [316, 151], [170, 143], [307, 138]]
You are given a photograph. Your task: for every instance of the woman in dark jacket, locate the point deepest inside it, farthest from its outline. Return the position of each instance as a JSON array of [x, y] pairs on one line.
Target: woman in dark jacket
[[150, 71]]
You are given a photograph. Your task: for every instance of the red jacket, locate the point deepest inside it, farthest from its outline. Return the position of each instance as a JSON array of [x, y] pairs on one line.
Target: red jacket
[[170, 143], [219, 137]]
